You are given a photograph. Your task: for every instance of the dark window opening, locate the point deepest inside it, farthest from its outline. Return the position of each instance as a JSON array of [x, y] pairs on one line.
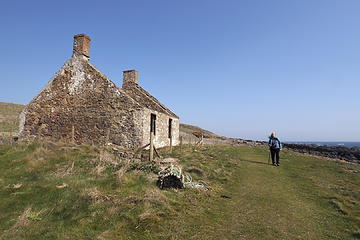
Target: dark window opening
[[170, 127], [153, 123]]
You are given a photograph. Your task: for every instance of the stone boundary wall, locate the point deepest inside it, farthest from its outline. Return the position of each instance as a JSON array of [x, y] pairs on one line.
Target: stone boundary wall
[[336, 152]]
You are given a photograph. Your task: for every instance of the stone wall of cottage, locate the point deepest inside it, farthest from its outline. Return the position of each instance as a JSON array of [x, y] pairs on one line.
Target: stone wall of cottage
[[81, 105]]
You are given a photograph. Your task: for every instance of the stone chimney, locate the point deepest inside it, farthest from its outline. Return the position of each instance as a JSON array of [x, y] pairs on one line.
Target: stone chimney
[[81, 46], [130, 76]]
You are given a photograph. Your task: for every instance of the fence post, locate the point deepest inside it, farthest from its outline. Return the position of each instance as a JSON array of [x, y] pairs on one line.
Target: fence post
[[151, 146], [171, 143], [73, 134], [107, 136], [181, 142]]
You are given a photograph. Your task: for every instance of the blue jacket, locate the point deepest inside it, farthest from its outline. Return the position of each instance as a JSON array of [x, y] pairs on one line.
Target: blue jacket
[[274, 143]]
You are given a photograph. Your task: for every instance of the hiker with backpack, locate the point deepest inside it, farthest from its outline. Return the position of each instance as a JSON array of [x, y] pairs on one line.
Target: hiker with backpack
[[275, 148]]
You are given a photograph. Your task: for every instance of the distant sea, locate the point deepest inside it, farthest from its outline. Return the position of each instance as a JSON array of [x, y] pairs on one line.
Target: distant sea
[[344, 144]]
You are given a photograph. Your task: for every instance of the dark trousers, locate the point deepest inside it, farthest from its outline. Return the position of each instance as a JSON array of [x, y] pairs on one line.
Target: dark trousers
[[275, 156]]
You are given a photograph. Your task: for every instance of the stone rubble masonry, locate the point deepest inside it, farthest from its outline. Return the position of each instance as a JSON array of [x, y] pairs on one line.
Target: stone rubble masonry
[[80, 104], [336, 152], [162, 128], [81, 45], [130, 76], [142, 97]]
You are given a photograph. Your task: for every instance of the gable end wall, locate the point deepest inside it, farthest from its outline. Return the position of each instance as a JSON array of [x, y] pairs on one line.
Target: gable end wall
[[81, 105]]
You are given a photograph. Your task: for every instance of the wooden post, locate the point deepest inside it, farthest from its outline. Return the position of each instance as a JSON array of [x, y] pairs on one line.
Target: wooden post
[[170, 134], [108, 136], [157, 152], [181, 142], [151, 146], [11, 138], [171, 144], [142, 148], [73, 134]]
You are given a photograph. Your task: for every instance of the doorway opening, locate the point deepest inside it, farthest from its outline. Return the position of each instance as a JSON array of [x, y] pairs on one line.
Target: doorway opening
[[170, 127], [153, 123]]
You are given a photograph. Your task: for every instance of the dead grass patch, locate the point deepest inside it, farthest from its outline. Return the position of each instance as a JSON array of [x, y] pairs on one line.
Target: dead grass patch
[[151, 215], [65, 171], [106, 160], [40, 154], [151, 197], [120, 173], [97, 196], [22, 221]]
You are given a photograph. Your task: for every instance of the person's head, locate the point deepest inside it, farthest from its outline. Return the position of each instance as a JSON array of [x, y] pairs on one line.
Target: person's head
[[273, 134]]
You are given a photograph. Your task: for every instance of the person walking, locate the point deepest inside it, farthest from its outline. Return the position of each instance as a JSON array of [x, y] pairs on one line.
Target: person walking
[[275, 148]]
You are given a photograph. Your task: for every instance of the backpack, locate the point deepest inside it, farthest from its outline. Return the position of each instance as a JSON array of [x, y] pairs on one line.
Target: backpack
[[274, 143]]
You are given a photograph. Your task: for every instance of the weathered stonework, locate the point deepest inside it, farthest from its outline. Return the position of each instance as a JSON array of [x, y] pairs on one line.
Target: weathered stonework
[[80, 104], [162, 125]]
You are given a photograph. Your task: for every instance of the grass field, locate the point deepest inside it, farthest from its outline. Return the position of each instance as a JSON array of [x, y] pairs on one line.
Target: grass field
[[50, 191]]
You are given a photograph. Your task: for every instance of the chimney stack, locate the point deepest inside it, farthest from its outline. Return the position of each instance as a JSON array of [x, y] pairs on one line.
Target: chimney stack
[[130, 76], [82, 46]]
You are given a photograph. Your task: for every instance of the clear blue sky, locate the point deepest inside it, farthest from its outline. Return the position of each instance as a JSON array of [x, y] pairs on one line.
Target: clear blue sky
[[238, 68]]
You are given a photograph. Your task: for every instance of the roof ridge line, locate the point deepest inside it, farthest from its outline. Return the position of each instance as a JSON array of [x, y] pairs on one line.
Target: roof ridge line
[[153, 99]]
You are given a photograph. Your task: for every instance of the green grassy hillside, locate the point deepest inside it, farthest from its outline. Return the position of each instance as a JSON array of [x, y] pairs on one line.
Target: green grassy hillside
[[9, 117], [52, 191], [192, 130]]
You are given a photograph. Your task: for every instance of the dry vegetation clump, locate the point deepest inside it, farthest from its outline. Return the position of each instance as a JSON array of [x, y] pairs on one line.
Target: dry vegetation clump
[[40, 154], [155, 196], [97, 196], [108, 158], [120, 173], [66, 170], [103, 161], [21, 222]]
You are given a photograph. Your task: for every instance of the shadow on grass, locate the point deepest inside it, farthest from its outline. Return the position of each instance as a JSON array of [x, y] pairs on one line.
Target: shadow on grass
[[356, 235], [250, 161]]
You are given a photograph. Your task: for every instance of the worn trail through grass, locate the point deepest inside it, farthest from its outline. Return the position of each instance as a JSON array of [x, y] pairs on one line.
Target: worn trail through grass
[[297, 200]]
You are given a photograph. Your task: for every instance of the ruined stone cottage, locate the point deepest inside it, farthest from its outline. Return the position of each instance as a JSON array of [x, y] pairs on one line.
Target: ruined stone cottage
[[80, 104]]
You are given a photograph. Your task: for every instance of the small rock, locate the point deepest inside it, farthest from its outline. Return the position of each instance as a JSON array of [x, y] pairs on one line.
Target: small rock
[[64, 185], [17, 186]]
